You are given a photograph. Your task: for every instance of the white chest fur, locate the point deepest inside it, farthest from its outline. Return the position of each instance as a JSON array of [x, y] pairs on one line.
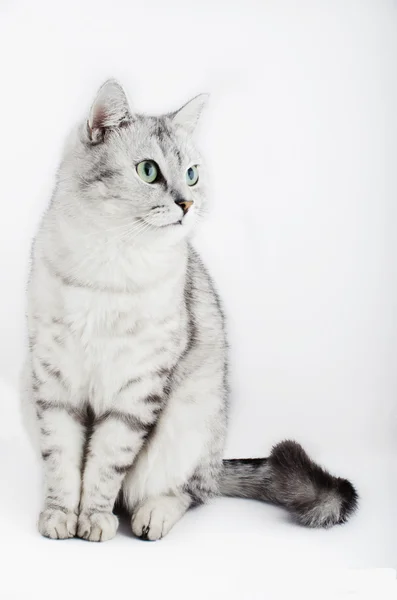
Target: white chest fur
[[113, 326]]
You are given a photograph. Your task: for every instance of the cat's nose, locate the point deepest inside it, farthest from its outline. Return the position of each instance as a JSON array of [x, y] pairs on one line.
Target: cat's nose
[[184, 204]]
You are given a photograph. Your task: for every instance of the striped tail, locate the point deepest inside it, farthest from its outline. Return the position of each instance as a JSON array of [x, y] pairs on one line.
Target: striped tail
[[289, 478]]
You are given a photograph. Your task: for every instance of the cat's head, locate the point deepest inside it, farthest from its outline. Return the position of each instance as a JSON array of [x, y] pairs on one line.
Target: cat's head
[[138, 174]]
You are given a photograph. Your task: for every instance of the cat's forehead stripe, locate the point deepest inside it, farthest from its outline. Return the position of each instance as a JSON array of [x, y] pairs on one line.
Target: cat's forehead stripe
[[166, 139]]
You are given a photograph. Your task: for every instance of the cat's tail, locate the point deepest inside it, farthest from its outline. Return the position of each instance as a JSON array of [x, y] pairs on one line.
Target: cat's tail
[[289, 478]]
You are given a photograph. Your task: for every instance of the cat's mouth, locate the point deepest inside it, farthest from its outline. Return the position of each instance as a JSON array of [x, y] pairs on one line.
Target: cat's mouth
[[150, 224]]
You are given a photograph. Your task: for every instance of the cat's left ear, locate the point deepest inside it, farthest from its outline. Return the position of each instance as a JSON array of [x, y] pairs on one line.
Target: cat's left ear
[[109, 110], [189, 115]]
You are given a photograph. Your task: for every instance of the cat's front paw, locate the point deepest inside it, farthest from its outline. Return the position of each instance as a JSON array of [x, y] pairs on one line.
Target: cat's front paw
[[57, 524], [97, 526]]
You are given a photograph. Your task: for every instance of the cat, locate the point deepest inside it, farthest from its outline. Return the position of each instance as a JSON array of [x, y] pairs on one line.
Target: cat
[[125, 386]]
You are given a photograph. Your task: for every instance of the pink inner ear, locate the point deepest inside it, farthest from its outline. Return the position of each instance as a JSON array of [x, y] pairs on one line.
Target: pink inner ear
[[110, 110], [96, 130], [99, 118]]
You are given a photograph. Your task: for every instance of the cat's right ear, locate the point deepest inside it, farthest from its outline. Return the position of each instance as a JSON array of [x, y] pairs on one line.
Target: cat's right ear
[[109, 110]]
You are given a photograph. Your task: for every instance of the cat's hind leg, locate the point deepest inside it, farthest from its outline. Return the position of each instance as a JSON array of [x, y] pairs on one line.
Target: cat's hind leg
[[180, 463], [154, 518]]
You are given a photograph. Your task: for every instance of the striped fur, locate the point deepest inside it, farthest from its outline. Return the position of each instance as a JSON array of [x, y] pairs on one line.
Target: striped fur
[[125, 383]]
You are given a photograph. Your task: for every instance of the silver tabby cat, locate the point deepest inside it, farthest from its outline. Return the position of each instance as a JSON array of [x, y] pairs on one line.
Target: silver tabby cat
[[125, 386]]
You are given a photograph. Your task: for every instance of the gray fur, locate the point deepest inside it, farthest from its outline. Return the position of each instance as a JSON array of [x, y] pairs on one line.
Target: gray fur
[[125, 388]]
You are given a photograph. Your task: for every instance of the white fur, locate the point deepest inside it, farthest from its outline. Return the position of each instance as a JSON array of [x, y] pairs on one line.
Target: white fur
[[109, 324], [124, 390], [157, 515]]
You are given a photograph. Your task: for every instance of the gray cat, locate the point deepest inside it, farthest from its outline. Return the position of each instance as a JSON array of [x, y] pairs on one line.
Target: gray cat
[[125, 386]]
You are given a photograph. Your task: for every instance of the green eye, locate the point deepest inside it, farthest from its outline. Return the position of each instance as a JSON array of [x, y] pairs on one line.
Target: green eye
[[147, 171], [192, 175]]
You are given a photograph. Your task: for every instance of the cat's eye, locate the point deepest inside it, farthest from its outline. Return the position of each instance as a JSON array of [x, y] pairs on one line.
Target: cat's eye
[[147, 171], [192, 175]]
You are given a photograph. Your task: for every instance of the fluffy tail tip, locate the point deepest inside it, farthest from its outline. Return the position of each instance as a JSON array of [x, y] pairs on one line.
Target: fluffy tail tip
[[314, 497]]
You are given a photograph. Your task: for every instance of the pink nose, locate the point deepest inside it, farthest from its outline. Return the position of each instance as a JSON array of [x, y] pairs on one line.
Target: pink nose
[[184, 204]]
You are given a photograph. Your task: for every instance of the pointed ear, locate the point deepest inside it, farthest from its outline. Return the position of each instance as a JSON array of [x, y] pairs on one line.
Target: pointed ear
[[109, 110], [188, 116]]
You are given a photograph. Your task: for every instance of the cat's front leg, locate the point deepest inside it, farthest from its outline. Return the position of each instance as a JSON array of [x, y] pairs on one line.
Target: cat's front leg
[[116, 440], [61, 442]]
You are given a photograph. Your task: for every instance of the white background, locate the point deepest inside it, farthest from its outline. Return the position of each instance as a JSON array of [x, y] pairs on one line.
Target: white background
[[300, 137]]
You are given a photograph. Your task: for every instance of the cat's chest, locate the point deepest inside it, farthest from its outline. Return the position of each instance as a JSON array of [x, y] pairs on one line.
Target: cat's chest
[[108, 328], [93, 315], [103, 317]]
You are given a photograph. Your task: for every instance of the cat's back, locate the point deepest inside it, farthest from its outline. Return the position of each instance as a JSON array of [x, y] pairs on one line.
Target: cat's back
[[204, 303]]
